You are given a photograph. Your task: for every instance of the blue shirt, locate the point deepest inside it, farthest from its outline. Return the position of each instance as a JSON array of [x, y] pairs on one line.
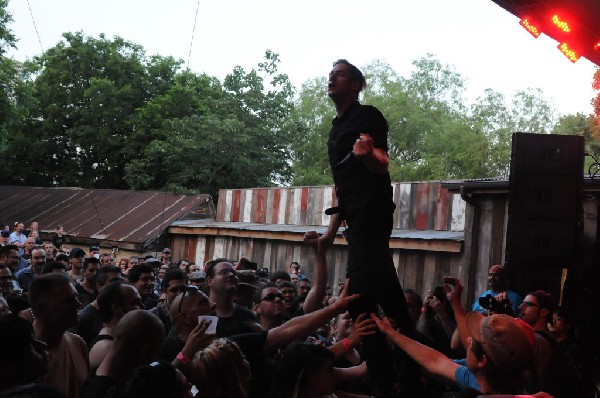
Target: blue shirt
[[21, 238], [25, 277], [514, 298], [464, 378]]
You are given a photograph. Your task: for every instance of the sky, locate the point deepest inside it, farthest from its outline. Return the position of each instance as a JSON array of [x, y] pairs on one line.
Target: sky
[[482, 41]]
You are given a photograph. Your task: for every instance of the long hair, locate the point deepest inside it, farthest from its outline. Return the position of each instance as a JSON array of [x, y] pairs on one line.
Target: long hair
[[220, 371], [297, 366]]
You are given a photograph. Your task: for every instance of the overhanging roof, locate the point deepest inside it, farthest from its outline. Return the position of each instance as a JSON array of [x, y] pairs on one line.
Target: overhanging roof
[[583, 17], [107, 215], [441, 241]]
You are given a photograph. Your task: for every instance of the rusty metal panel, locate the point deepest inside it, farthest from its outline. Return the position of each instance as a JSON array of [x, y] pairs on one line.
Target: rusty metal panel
[[422, 206], [100, 214], [260, 210], [441, 210], [235, 207]]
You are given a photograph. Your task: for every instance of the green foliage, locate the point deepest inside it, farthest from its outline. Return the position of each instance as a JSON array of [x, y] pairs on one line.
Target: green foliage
[[99, 112], [8, 75], [311, 120], [432, 133], [214, 136]]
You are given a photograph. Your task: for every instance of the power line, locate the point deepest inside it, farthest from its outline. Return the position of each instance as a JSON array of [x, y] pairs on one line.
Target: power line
[[193, 31], [35, 26]]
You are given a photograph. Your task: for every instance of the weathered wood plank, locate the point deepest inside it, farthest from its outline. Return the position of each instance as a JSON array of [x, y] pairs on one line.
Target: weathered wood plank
[[441, 210], [235, 206], [328, 197], [404, 206], [303, 205], [261, 202], [458, 214], [422, 206]]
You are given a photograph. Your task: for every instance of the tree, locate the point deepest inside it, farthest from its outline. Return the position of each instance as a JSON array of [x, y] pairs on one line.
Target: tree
[[87, 93], [580, 124], [311, 117], [8, 73], [230, 135]]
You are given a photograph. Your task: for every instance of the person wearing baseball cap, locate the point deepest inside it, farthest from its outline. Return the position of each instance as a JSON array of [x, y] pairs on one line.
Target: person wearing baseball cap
[[499, 353]]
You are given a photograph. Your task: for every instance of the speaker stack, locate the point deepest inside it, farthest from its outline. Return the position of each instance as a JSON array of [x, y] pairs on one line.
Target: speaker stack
[[544, 229]]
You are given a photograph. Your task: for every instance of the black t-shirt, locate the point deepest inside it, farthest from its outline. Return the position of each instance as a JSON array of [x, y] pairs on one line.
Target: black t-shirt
[[98, 386], [171, 346], [58, 241], [252, 345], [90, 323], [241, 321], [357, 187], [84, 296]]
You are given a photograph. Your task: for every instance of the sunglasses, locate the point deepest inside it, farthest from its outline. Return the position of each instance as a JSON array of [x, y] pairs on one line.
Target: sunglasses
[[6, 277], [188, 288], [272, 297]]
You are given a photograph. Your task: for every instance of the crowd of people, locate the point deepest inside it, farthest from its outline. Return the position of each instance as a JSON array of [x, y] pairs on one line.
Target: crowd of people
[[76, 324]]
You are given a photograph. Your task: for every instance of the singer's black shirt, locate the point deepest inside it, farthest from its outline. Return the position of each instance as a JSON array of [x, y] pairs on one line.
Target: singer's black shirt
[[357, 188]]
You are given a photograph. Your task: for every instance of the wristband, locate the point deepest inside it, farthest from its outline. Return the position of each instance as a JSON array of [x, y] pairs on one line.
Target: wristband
[[181, 358], [346, 343]]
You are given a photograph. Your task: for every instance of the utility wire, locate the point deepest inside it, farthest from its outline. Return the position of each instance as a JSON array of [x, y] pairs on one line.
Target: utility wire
[[35, 26], [193, 31]]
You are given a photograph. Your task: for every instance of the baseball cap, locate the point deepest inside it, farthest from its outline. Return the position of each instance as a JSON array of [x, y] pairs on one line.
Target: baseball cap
[[248, 278], [507, 342], [152, 261]]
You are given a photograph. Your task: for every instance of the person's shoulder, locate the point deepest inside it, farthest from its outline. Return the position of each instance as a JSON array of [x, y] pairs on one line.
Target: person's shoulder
[[465, 378], [79, 288], [74, 339], [369, 110], [89, 311], [243, 312]]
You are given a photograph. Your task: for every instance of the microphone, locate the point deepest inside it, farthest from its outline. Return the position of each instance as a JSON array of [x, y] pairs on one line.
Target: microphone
[[345, 160]]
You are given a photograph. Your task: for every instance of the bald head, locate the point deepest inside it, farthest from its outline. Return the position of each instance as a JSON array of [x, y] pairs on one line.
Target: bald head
[[137, 340], [138, 328], [195, 302], [497, 280]]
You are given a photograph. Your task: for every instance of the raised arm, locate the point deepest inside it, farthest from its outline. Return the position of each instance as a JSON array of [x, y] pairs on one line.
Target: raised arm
[[376, 159], [316, 295], [363, 326], [303, 325], [434, 361], [454, 291], [328, 237]]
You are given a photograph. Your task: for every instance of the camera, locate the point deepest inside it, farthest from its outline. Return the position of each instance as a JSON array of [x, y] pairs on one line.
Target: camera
[[440, 293], [262, 273], [490, 303]]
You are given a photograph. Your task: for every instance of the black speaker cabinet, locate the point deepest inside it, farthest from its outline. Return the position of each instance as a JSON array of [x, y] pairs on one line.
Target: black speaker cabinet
[[544, 202]]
